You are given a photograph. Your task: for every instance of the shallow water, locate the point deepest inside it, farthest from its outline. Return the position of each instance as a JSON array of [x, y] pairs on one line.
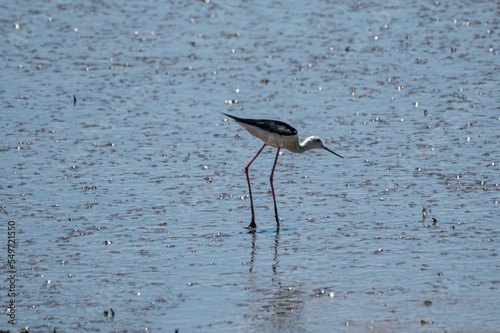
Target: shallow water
[[134, 199]]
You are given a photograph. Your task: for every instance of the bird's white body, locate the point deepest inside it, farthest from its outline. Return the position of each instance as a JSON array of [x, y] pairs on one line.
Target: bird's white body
[[290, 142]]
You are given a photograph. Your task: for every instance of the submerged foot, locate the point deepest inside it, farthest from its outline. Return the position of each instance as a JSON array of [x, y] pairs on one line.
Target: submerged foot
[[252, 226]]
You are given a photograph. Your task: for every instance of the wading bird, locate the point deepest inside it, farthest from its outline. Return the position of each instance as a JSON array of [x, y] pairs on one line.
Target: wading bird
[[279, 135]]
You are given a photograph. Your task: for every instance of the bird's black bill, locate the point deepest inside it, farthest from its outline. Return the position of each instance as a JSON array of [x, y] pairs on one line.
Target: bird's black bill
[[331, 151]]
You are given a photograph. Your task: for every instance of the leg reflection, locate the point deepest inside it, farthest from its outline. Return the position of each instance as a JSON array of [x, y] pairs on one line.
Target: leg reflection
[[276, 255], [252, 255]]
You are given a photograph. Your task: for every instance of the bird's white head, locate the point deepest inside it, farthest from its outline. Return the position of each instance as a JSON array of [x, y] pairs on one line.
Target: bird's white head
[[314, 142]]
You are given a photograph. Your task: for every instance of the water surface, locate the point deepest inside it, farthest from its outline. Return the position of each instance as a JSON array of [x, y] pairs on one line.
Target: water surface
[[134, 198]]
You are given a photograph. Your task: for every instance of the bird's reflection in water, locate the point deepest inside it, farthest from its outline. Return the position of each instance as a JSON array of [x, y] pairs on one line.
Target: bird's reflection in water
[[252, 254], [276, 254], [272, 306]]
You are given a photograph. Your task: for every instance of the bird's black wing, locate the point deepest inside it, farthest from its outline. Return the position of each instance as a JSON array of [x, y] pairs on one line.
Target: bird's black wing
[[274, 126]]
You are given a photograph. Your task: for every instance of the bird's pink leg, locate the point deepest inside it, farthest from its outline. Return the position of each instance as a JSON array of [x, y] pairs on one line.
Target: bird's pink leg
[[252, 225], [272, 188]]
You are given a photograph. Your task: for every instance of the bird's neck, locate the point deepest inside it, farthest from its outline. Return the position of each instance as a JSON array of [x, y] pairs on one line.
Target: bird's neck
[[303, 146]]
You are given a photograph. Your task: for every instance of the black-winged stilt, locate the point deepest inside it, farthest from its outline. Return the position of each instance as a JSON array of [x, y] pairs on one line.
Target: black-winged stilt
[[279, 135]]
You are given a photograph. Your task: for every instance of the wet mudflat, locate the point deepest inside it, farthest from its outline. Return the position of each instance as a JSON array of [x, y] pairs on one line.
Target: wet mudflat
[[127, 188]]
